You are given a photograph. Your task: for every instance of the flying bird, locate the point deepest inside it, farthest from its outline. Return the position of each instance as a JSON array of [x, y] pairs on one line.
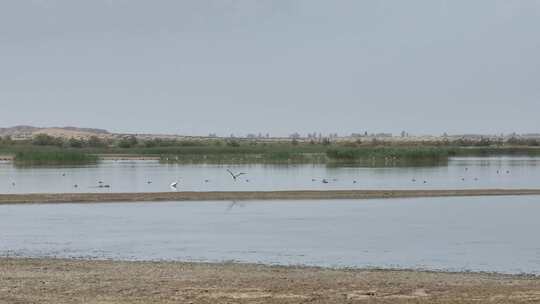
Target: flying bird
[[174, 185], [235, 176]]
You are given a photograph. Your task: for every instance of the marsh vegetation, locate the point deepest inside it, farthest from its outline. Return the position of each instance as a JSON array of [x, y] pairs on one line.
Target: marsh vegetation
[[44, 149]]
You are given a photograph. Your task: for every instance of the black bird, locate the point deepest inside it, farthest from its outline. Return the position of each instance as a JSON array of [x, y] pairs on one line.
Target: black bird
[[235, 176]]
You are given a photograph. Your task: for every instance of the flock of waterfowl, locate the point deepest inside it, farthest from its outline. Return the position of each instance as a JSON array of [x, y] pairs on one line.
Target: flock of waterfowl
[[235, 177]]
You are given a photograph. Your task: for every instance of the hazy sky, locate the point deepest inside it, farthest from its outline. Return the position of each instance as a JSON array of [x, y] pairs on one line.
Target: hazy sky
[[231, 66]]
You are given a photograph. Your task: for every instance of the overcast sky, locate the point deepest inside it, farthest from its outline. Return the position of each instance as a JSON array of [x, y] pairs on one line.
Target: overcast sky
[[201, 66]]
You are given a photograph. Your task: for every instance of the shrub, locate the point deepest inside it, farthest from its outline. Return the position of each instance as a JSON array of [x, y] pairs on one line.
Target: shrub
[[47, 140], [75, 143], [96, 142], [128, 142], [233, 143]]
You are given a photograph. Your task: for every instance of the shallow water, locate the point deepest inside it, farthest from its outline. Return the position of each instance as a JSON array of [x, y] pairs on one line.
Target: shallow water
[[133, 176], [475, 233]]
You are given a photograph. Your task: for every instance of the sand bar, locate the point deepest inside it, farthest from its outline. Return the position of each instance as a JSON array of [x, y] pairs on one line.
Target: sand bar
[[251, 195]]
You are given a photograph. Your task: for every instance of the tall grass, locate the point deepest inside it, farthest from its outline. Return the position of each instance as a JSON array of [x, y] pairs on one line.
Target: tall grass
[[389, 155], [54, 157], [281, 157], [265, 152]]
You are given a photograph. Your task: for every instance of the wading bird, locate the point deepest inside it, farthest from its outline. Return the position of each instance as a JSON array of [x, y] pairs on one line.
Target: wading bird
[[235, 176]]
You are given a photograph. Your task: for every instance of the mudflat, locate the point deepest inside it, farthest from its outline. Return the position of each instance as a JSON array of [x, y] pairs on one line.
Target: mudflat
[[251, 195], [84, 281]]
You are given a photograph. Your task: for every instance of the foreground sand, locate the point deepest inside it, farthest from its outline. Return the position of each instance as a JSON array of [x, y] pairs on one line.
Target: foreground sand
[[77, 281], [251, 195]]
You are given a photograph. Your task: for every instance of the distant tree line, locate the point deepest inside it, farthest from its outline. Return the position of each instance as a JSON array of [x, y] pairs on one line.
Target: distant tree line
[[91, 142], [131, 141]]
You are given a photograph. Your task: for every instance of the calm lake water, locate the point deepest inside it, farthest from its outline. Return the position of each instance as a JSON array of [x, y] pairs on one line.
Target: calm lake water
[[477, 233], [134, 176]]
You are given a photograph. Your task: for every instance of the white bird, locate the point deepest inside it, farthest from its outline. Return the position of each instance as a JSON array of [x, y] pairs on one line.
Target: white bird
[[235, 176], [174, 185]]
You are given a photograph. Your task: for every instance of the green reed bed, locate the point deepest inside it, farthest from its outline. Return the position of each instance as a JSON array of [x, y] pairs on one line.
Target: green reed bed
[[58, 157], [388, 153]]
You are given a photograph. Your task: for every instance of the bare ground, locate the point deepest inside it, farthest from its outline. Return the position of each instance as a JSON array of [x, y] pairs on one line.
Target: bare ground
[[104, 282], [251, 195]]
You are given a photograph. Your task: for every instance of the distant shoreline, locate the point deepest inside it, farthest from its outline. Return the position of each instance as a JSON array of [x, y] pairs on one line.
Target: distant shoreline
[[37, 198]]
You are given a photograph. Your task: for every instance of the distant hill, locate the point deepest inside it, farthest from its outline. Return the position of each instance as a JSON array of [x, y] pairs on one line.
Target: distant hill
[[17, 130], [65, 132]]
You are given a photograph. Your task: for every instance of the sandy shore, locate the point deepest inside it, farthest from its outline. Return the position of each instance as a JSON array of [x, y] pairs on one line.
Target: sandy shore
[[103, 282], [250, 195]]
